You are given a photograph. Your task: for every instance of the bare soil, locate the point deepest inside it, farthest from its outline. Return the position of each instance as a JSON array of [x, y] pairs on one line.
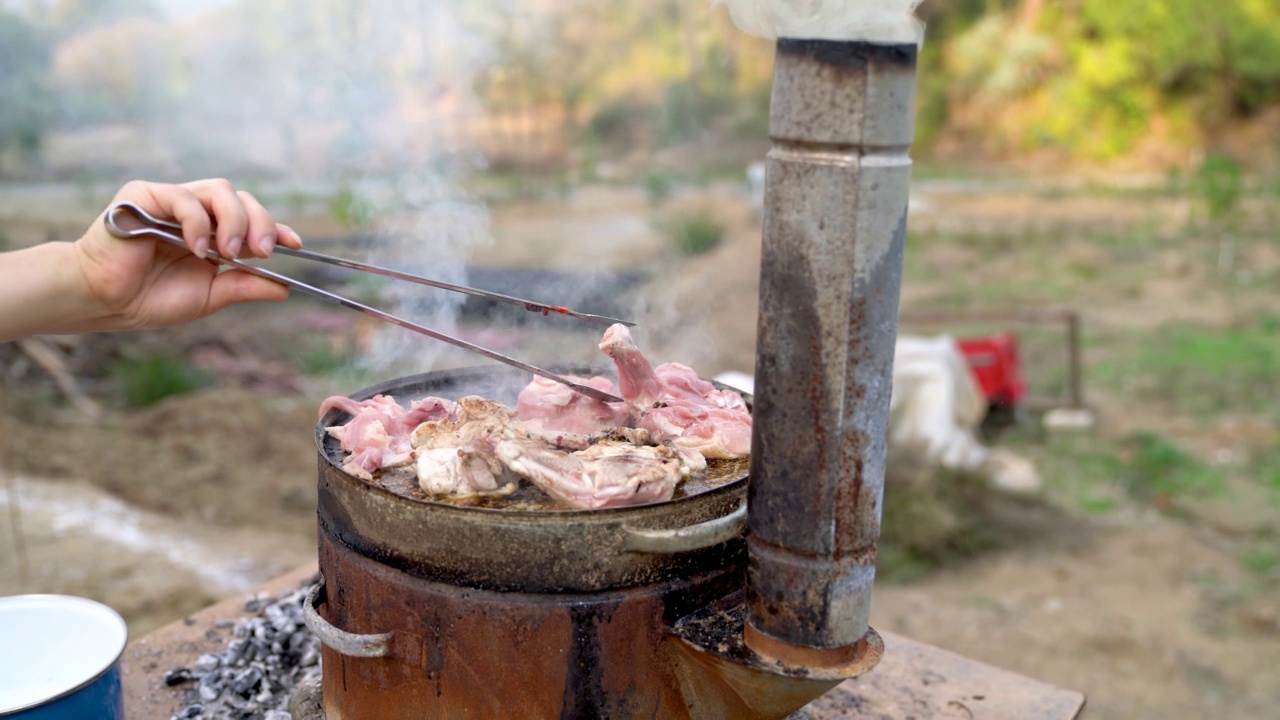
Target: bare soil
[[1150, 615]]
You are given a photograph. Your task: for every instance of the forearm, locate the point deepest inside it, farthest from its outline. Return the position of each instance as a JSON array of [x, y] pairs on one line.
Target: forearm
[[42, 291]]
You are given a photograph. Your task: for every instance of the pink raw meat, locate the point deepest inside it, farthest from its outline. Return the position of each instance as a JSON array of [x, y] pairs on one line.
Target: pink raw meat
[[378, 433], [547, 405], [675, 405]]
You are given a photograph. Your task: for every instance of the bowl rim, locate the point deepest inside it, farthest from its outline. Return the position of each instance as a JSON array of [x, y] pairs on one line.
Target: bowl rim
[[67, 601]]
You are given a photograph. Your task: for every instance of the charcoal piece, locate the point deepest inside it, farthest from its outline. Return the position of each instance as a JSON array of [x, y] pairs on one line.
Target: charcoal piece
[[260, 667], [246, 682], [177, 676], [208, 662], [209, 693], [236, 651]]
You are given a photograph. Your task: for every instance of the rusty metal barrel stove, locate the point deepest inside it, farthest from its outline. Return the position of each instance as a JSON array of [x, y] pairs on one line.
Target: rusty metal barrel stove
[[435, 610]]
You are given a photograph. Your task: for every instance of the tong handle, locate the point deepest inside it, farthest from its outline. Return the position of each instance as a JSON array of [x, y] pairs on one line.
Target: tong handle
[[126, 220]]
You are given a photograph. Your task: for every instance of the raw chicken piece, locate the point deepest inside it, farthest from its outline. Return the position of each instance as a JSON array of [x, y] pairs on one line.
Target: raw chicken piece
[[548, 405], [607, 474], [677, 406], [377, 435], [712, 432]]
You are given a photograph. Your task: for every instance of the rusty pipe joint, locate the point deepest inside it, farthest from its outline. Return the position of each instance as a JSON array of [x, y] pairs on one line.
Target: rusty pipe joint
[[836, 188]]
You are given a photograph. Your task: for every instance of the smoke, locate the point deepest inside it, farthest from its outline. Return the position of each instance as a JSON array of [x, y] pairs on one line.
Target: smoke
[[333, 98], [432, 233], [372, 99], [870, 20]]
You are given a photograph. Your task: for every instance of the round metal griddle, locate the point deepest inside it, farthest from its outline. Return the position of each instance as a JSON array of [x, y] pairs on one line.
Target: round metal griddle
[[525, 541]]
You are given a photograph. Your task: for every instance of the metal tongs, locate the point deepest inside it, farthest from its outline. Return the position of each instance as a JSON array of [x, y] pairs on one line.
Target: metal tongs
[[126, 220]]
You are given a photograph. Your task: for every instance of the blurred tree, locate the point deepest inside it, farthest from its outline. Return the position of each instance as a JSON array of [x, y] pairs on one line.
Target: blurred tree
[[1096, 78], [27, 104], [70, 16], [121, 71]]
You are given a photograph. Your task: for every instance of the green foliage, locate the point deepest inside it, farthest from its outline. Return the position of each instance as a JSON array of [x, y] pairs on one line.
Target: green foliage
[[612, 120], [144, 381], [324, 361], [1156, 468], [350, 209], [1095, 78], [932, 516], [688, 112], [658, 186], [697, 233], [1201, 370], [1219, 183], [1260, 561]]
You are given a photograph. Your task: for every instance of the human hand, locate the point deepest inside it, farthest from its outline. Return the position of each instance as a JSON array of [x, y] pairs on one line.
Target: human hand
[[142, 283]]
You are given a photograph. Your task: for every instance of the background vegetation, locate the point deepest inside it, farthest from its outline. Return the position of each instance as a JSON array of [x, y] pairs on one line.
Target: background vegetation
[[1160, 84]]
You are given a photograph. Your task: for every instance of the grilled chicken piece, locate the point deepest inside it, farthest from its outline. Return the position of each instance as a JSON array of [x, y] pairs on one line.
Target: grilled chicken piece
[[606, 474], [675, 405], [455, 455]]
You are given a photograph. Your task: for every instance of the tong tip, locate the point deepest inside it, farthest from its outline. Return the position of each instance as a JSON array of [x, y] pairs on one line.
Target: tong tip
[[593, 393], [601, 319]]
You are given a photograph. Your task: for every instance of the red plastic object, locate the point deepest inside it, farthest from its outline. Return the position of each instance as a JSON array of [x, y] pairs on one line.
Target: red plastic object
[[994, 362]]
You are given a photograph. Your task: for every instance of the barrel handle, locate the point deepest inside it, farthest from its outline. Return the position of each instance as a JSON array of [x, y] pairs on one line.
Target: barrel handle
[[691, 537], [346, 643]]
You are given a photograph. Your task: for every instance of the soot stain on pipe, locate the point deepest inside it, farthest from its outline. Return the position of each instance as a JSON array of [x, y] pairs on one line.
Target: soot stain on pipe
[[851, 55]]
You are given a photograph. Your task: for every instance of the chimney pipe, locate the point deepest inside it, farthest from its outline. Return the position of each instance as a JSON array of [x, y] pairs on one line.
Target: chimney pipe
[[836, 188]]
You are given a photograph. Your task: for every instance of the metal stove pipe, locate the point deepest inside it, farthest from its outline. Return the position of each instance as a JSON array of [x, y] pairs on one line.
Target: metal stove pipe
[[835, 207]]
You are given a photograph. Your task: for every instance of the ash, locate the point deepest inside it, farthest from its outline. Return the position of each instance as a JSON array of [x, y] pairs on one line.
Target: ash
[[266, 657]]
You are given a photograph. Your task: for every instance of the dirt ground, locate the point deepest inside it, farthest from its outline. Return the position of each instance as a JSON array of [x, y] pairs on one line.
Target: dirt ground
[[204, 494]]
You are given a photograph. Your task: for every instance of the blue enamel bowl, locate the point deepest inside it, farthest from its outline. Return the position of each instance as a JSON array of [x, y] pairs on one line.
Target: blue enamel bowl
[[60, 659]]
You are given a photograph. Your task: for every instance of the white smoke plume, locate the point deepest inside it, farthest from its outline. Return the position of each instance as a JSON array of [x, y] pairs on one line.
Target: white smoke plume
[[888, 21]]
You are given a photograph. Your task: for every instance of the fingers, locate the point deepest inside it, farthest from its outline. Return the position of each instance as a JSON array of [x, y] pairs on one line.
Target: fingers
[[243, 224], [288, 236], [175, 202], [215, 214], [230, 215], [262, 229], [235, 286]]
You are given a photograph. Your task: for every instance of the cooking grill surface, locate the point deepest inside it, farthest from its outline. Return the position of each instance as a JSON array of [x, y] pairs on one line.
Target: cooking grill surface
[[502, 385]]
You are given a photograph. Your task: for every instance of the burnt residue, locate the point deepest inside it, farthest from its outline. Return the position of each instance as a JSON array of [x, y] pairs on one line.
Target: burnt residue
[[719, 628], [788, 434], [705, 588], [850, 54], [584, 695]]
